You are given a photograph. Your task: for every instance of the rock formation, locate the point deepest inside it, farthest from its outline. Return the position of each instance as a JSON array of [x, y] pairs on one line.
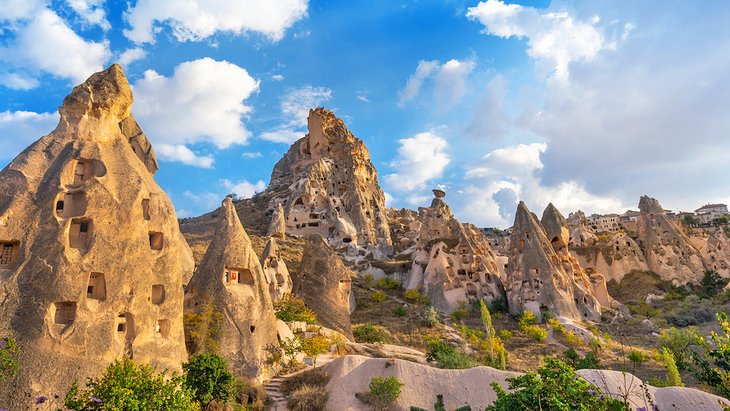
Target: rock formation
[[716, 252], [92, 260], [540, 280], [614, 257], [452, 261], [277, 228], [324, 283], [275, 271], [328, 186], [581, 234], [231, 278], [667, 249]]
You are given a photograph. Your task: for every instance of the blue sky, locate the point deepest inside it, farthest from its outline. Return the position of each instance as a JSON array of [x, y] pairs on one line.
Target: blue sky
[[588, 104]]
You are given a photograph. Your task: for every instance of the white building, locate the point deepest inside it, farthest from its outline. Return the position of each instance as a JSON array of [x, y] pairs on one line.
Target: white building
[[712, 211]]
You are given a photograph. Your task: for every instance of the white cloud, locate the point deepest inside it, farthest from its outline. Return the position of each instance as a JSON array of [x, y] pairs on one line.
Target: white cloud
[[243, 188], [131, 55], [448, 79], [183, 213], [277, 77], [553, 36], [295, 108], [12, 10], [18, 81], [202, 102], [195, 20], [364, 98], [18, 129], [182, 154], [91, 11], [205, 200], [46, 44], [252, 154], [421, 158], [489, 120]]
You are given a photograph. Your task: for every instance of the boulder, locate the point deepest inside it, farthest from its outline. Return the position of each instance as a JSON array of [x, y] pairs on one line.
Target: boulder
[[92, 261]]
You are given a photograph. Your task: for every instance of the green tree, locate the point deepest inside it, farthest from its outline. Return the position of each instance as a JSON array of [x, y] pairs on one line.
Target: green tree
[[291, 347], [713, 360], [488, 328], [555, 386], [444, 355], [385, 391], [712, 284], [202, 329], [208, 378], [315, 345], [8, 358], [678, 341], [667, 359], [127, 386], [291, 308]]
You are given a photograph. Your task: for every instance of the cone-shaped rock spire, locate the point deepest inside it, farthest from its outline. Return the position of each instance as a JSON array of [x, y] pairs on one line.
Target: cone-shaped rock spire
[[230, 277], [275, 270]]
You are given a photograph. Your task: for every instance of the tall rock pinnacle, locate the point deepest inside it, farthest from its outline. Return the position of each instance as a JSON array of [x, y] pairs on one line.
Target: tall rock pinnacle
[[98, 259]]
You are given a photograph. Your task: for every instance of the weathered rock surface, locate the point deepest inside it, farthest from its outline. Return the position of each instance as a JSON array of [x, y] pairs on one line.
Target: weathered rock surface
[[329, 187], [716, 252], [92, 259], [352, 374], [324, 283], [231, 278], [452, 261], [667, 249], [275, 271], [277, 228], [541, 280]]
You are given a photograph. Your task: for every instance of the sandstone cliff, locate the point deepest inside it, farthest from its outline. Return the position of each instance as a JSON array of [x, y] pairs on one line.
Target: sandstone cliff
[[231, 278], [275, 271], [96, 259]]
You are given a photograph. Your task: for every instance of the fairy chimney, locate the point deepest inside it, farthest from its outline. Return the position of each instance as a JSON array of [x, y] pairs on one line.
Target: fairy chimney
[[275, 271], [277, 228]]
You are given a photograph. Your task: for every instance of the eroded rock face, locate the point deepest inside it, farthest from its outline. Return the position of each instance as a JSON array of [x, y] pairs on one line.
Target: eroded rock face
[[452, 262], [277, 228], [231, 278], [275, 271], [716, 252], [329, 187], [541, 280], [668, 250], [324, 283], [93, 260]]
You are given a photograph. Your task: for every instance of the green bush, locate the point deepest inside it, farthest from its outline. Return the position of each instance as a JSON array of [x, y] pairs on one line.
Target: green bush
[[248, 396], [399, 311], [126, 385], [589, 361], [208, 378], [536, 332], [691, 311], [290, 308], [712, 361], [378, 296], [415, 296], [8, 358], [308, 398], [368, 279], [678, 342], [527, 318], [387, 283], [667, 359], [369, 333], [712, 284], [202, 329], [555, 386], [637, 357], [385, 391], [315, 345], [430, 316], [444, 355], [504, 335]]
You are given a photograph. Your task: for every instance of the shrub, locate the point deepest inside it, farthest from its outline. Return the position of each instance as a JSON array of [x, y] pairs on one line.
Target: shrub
[[8, 358], [126, 385], [290, 348], [202, 329], [368, 279], [712, 284], [385, 391], [308, 398], [713, 360], [378, 296], [526, 319], [459, 314], [444, 355], [555, 386], [667, 359], [369, 333], [678, 343], [249, 394], [430, 316], [637, 357], [315, 345], [208, 379], [399, 311], [589, 361], [387, 283], [536, 332], [504, 335], [415, 296], [691, 311], [498, 305], [571, 338], [291, 308], [313, 378]]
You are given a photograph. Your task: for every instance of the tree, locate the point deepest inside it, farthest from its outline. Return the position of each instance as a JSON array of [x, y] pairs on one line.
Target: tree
[[678, 341], [667, 359], [555, 386], [125, 385], [385, 391], [712, 283], [315, 345], [713, 360], [8, 358], [291, 308], [202, 329], [488, 328], [208, 378], [291, 347]]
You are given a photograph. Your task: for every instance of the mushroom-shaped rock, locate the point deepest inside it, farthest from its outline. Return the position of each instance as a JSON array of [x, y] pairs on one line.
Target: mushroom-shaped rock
[[96, 260], [324, 283], [230, 278], [275, 271], [277, 228]]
